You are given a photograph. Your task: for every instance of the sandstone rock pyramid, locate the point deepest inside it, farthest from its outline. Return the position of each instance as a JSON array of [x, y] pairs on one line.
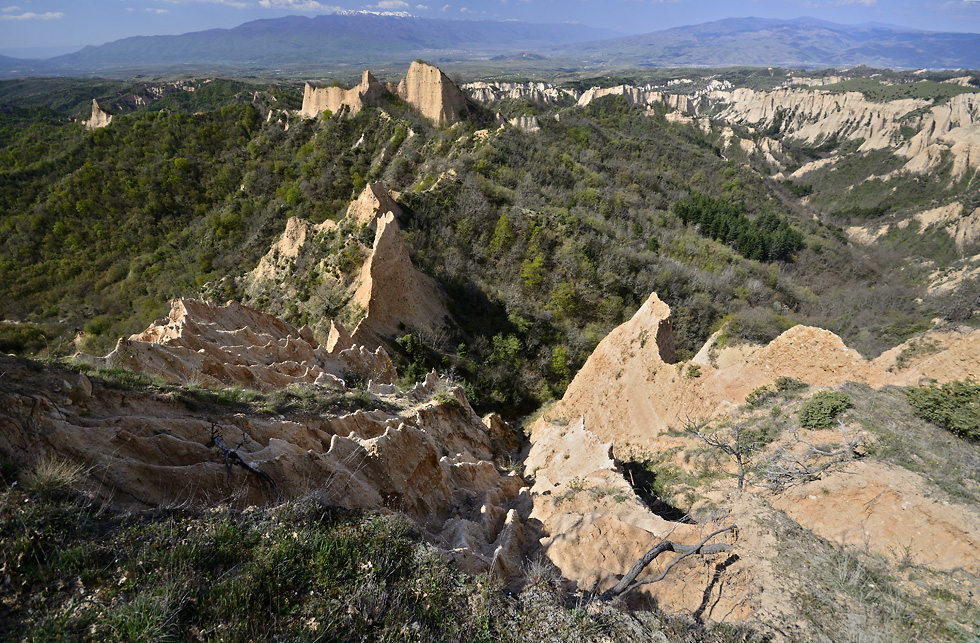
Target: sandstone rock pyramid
[[374, 201], [425, 88], [432, 92], [395, 296], [99, 118]]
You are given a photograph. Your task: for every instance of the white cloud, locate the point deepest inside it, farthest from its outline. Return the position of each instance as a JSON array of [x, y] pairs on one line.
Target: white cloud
[[425, 8], [392, 4], [157, 11], [463, 9], [9, 9], [34, 16], [445, 7], [298, 5], [238, 4]]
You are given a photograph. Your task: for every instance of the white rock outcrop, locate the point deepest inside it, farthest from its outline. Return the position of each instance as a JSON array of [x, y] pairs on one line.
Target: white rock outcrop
[[99, 118]]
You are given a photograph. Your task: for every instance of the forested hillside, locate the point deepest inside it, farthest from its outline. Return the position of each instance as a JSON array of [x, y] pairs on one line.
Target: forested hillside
[[544, 241]]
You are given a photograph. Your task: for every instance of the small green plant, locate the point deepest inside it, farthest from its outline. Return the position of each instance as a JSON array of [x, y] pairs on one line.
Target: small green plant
[[446, 398], [760, 396], [955, 406], [693, 371], [820, 411], [786, 384]]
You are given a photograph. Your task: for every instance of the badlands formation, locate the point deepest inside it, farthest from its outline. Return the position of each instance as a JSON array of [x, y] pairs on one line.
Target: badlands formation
[[424, 87], [813, 116]]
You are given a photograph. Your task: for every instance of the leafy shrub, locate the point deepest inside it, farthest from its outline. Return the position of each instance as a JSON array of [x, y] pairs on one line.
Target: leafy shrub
[[820, 411], [760, 396], [786, 384], [21, 338], [955, 406], [693, 371]]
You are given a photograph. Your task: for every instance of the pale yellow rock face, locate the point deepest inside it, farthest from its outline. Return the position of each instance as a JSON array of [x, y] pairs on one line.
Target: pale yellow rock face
[[316, 100], [99, 118], [432, 93], [395, 295], [893, 505], [596, 527]]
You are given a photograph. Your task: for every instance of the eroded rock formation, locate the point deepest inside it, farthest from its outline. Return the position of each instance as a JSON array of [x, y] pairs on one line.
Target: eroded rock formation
[[541, 93], [432, 462], [639, 96], [394, 295], [631, 391], [815, 116], [316, 100], [235, 345], [374, 201], [432, 93], [99, 118]]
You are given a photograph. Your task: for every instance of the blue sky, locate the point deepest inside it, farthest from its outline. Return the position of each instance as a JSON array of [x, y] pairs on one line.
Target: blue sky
[[46, 26]]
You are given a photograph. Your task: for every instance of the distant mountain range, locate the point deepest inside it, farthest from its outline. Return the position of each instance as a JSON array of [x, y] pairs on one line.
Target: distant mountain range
[[358, 38], [803, 42], [363, 39]]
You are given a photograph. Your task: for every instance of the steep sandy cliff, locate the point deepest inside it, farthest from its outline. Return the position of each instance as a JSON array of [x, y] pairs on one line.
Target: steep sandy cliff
[[319, 99], [541, 93], [99, 118], [432, 93], [814, 116], [392, 292], [373, 202]]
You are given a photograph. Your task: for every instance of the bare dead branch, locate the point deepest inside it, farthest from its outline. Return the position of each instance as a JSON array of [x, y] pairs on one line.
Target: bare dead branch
[[627, 584], [232, 458]]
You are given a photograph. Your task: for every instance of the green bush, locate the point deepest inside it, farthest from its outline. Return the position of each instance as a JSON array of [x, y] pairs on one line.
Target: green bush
[[760, 396], [786, 384], [955, 406], [820, 411]]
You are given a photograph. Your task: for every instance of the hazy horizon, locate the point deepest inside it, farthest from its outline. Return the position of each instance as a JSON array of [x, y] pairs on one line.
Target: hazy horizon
[[45, 26]]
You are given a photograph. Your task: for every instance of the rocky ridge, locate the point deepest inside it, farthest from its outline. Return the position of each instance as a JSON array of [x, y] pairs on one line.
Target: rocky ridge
[[813, 116], [630, 396], [639, 96], [541, 93], [386, 296], [630, 388]]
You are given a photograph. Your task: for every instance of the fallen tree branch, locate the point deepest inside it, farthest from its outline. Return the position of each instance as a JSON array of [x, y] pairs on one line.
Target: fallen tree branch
[[232, 458], [627, 583]]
